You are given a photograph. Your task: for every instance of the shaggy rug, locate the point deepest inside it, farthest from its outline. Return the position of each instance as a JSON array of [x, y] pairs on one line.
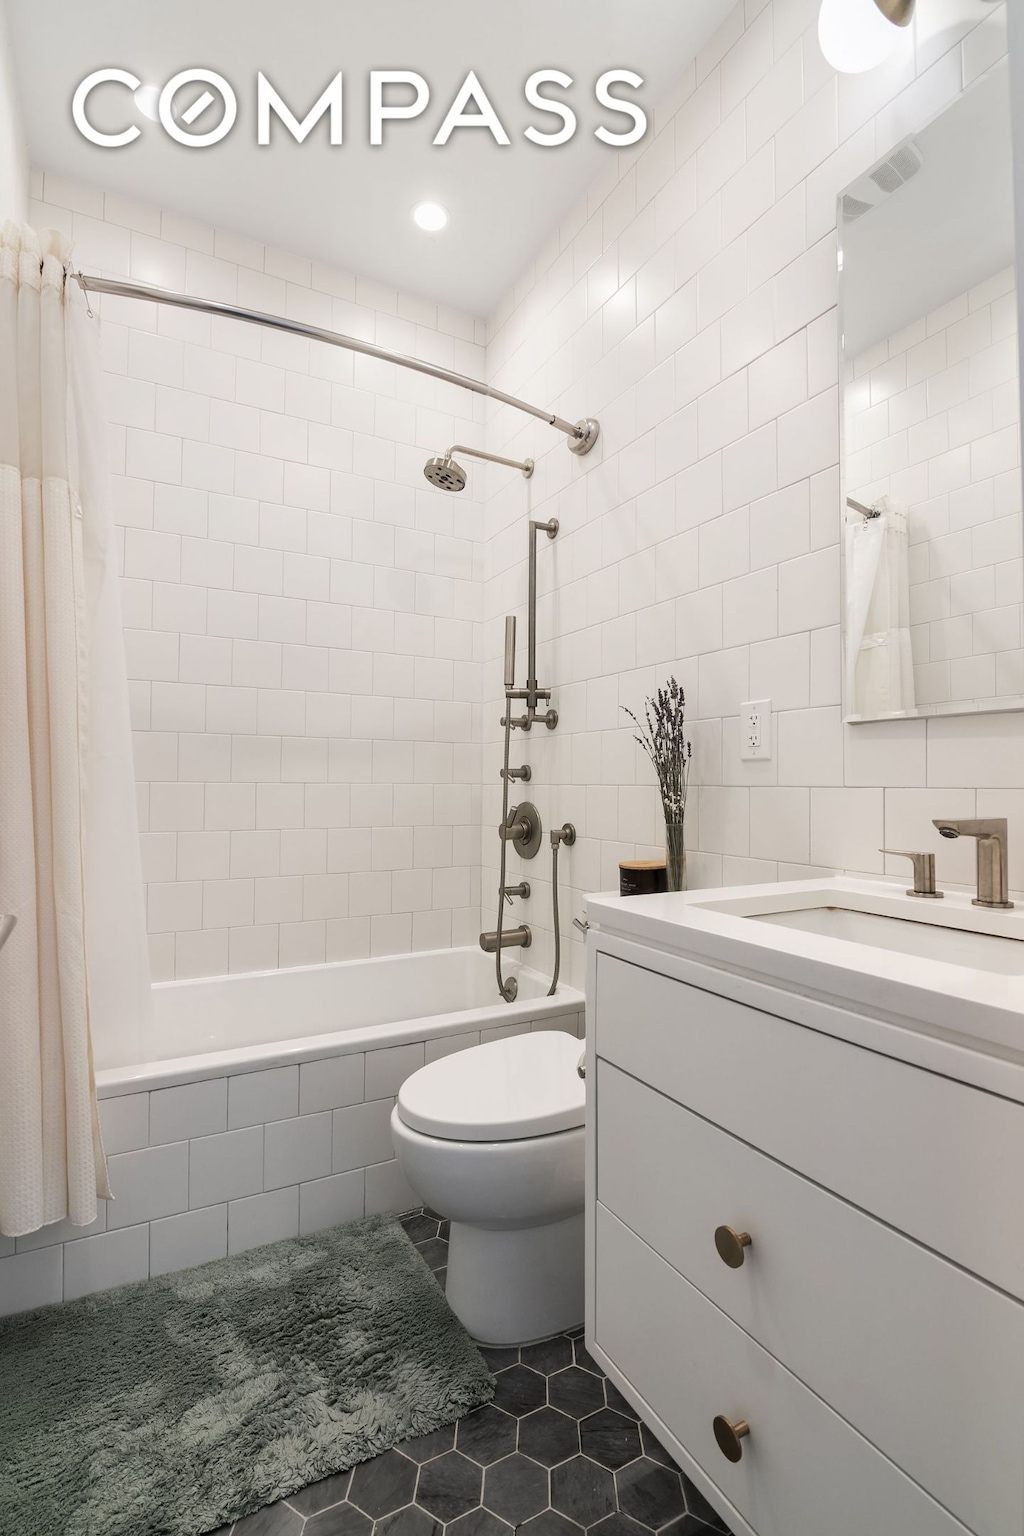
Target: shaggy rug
[[173, 1406]]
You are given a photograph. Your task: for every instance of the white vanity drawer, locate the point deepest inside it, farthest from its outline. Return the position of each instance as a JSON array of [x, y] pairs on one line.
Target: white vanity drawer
[[925, 1360], [804, 1471], [935, 1158]]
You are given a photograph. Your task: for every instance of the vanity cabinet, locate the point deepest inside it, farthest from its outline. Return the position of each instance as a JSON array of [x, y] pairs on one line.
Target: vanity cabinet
[[805, 1257]]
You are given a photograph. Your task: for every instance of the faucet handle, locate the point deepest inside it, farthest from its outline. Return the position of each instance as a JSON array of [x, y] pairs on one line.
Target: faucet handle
[[924, 871]]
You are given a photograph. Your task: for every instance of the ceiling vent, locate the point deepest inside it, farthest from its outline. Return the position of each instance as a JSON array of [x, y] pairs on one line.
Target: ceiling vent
[[882, 180]]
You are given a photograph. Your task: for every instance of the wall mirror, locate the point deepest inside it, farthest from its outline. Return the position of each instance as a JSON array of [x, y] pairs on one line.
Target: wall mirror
[[930, 418]]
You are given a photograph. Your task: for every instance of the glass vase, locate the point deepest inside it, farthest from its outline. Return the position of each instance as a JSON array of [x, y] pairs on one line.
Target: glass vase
[[675, 856]]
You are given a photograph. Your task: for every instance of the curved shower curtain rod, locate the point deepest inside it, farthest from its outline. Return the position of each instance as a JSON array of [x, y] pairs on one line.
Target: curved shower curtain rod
[[582, 435]]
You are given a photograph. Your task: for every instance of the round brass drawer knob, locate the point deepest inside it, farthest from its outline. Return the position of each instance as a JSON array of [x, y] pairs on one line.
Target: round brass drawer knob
[[731, 1245], [730, 1436]]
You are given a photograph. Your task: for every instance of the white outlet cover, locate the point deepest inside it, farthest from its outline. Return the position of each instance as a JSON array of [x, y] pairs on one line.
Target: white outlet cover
[[755, 730]]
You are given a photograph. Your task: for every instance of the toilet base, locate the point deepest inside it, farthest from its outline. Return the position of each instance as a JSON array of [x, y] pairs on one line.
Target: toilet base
[[514, 1285]]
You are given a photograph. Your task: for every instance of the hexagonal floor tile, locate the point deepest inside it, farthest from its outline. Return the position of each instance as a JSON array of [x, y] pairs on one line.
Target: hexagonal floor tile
[[426, 1447], [383, 1485], [500, 1356], [340, 1520], [516, 1489], [585, 1358], [615, 1399], [549, 1523], [654, 1449], [582, 1490], [619, 1525], [549, 1355], [317, 1496], [689, 1525], [449, 1486], [486, 1435], [479, 1522], [519, 1390], [549, 1436], [575, 1392], [650, 1493], [272, 1520], [410, 1521], [697, 1504], [610, 1439]]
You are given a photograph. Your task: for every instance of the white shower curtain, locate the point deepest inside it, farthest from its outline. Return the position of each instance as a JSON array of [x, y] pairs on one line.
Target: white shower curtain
[[75, 966], [879, 662]]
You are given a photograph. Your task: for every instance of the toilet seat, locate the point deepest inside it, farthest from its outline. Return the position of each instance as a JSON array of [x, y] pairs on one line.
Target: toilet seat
[[507, 1090]]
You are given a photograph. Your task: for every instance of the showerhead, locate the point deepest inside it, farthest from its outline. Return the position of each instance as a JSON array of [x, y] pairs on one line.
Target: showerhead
[[443, 472]]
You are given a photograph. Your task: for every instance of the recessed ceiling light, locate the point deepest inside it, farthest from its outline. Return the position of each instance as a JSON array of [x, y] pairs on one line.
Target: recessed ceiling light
[[147, 99], [430, 216]]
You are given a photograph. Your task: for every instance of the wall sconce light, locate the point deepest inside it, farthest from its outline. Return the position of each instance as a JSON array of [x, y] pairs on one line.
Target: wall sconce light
[[856, 35]]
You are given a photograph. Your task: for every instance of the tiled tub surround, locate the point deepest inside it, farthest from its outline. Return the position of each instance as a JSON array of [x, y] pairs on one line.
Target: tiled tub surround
[[301, 609], [933, 420], [237, 1146], [689, 303]]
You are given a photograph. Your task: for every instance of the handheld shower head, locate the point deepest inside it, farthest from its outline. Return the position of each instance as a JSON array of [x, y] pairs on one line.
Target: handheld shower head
[[443, 472]]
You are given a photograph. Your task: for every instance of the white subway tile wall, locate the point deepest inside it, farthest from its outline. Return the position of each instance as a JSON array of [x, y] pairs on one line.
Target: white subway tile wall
[[301, 608], [689, 301], [933, 420]]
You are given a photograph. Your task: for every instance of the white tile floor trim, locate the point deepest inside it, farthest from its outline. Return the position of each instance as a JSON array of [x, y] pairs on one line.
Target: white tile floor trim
[[212, 1167]]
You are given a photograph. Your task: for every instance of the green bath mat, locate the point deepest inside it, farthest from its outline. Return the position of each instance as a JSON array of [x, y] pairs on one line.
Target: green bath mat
[[173, 1406]]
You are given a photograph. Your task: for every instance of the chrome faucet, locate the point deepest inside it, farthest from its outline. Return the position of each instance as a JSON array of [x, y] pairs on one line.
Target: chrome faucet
[[993, 872]]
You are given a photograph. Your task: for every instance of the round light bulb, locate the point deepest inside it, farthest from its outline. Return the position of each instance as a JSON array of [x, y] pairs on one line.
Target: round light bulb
[[430, 216], [854, 35], [147, 99]]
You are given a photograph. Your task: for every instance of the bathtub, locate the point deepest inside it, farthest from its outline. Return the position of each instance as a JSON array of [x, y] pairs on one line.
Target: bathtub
[[262, 1110], [255, 1021]]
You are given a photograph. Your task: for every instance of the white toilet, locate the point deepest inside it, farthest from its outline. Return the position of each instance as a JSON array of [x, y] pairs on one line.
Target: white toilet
[[492, 1137]]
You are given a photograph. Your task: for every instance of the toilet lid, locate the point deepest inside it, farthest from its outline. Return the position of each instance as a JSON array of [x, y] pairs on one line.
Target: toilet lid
[[506, 1090]]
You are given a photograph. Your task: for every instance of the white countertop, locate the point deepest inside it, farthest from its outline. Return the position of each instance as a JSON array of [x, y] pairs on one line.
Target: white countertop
[[973, 1007]]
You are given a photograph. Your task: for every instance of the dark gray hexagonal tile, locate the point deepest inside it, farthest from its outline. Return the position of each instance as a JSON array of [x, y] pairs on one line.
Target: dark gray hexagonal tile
[[449, 1486], [321, 1495], [340, 1520], [479, 1522], [410, 1521], [420, 1228], [383, 1485], [656, 1451], [426, 1447], [550, 1523], [274, 1520], [689, 1525], [433, 1252], [620, 1525], [615, 1399], [582, 1490], [516, 1489], [549, 1436], [487, 1435], [519, 1390], [610, 1439], [585, 1358], [698, 1505], [576, 1392], [650, 1493], [549, 1355], [499, 1357]]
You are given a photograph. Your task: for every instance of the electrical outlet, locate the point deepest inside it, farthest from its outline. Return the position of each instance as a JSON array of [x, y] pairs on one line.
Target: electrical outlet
[[756, 730]]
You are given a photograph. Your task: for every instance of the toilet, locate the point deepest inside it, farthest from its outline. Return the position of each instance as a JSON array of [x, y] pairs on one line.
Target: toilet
[[492, 1138]]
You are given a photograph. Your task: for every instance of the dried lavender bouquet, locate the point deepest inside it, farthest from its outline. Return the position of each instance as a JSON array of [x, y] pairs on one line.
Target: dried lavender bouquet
[[662, 734]]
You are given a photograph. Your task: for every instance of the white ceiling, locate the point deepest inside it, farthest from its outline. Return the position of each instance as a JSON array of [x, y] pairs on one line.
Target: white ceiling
[[350, 205]]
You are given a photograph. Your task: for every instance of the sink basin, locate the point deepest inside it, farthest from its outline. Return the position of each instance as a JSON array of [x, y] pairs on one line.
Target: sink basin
[[905, 936]]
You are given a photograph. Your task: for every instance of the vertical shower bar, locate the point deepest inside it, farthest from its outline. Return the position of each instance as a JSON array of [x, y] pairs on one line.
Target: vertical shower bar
[[532, 690]]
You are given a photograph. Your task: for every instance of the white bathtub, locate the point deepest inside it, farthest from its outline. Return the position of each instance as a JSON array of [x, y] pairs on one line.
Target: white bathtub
[[227, 1024]]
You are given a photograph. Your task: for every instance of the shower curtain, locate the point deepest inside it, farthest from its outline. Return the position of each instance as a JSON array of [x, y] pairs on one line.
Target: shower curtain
[[879, 663], [69, 861]]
